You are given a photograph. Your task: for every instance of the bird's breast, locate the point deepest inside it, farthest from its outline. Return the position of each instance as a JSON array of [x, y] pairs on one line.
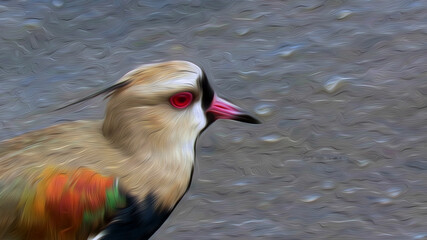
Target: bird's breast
[[165, 179]]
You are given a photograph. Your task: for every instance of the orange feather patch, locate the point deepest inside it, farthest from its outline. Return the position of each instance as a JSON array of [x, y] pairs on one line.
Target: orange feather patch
[[63, 197]]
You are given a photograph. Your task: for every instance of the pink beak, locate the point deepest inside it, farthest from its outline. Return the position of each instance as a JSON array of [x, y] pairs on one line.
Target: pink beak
[[222, 109]]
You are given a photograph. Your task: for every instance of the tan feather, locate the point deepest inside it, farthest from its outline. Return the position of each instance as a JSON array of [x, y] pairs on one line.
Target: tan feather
[[143, 140]]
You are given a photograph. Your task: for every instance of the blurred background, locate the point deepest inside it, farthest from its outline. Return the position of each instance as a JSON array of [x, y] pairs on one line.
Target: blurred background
[[340, 86]]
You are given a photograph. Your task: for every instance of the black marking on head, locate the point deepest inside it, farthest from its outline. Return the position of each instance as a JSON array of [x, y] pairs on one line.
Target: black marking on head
[[208, 93], [107, 90], [139, 220], [207, 98]]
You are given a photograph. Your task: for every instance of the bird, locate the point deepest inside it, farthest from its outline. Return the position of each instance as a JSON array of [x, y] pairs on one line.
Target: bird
[[119, 177]]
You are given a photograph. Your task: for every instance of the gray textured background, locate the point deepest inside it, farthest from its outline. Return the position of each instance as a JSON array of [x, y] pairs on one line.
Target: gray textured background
[[340, 85]]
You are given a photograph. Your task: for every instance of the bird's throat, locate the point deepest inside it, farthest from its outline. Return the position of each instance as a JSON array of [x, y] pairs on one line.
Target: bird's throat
[[158, 163]]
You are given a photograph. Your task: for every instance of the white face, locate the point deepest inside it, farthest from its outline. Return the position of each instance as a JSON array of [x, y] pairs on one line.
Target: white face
[[160, 109], [161, 90], [162, 101]]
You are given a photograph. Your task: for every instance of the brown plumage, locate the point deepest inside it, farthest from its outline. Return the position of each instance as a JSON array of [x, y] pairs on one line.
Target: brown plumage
[[146, 142]]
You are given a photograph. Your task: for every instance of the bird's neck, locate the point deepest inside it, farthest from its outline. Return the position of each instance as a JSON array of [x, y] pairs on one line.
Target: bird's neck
[[135, 136], [161, 160]]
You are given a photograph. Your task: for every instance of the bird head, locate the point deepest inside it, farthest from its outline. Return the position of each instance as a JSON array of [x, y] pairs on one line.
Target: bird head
[[168, 101]]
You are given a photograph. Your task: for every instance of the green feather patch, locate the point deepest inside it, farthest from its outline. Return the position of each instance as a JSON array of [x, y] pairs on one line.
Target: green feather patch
[[114, 200]]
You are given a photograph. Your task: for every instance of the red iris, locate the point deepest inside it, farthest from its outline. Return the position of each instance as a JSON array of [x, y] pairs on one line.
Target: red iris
[[181, 100]]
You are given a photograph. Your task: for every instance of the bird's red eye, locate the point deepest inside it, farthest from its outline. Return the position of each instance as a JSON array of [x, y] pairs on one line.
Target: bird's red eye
[[181, 100]]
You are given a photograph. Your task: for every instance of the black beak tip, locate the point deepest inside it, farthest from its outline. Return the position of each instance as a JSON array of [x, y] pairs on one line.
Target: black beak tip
[[247, 119]]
